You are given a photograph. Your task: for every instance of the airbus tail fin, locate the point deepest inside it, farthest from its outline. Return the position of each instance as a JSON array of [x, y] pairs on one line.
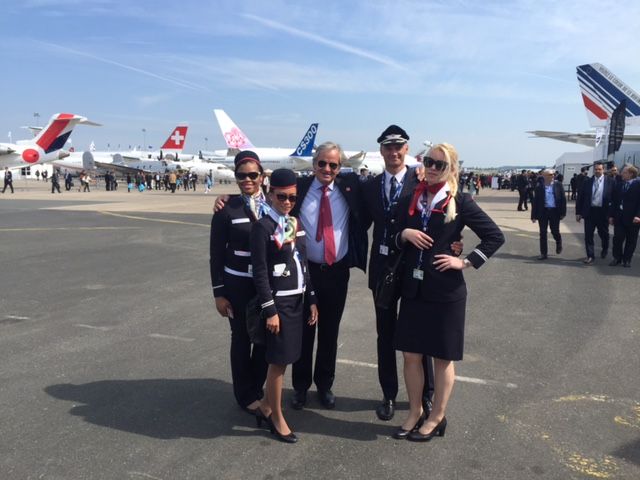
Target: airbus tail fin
[[602, 92], [176, 139], [56, 133], [233, 136], [305, 147]]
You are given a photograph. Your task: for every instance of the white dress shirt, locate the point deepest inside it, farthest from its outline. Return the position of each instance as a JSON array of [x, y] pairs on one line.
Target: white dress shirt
[[309, 213], [596, 196]]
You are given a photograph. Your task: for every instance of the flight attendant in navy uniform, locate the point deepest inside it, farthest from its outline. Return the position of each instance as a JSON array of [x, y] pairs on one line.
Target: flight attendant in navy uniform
[[281, 277], [433, 305], [231, 276]]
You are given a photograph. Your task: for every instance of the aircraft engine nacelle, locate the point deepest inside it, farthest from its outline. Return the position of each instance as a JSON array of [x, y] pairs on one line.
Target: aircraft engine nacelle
[[31, 155]]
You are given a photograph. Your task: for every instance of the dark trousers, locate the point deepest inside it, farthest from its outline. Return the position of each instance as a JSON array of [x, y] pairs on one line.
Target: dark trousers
[[625, 239], [330, 285], [597, 219], [55, 186], [549, 218], [387, 370], [8, 184], [522, 201], [248, 364]]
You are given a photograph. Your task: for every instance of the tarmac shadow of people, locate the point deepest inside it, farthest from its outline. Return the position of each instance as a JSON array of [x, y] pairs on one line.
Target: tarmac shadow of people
[[160, 408]]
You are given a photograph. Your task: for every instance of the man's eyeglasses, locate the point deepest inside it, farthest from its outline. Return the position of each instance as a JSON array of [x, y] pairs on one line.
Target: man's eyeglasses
[[251, 175], [283, 197], [439, 164], [332, 166]]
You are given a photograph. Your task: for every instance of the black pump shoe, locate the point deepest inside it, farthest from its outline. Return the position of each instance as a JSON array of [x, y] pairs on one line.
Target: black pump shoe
[[260, 417], [438, 430], [401, 433], [289, 438]]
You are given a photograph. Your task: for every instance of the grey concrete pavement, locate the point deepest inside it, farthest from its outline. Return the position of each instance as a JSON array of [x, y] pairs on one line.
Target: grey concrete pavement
[[114, 363]]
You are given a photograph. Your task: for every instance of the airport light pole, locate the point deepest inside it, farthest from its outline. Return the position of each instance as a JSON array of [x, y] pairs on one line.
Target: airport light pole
[[144, 138], [36, 117], [206, 143]]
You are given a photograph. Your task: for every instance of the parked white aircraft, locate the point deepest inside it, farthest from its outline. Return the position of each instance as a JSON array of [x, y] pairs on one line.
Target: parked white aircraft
[[271, 158], [46, 146]]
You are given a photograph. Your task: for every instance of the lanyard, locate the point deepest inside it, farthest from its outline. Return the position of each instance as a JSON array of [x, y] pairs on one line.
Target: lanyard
[[426, 216]]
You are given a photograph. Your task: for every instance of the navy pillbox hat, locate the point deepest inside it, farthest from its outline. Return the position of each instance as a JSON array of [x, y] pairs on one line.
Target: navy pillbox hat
[[246, 156], [283, 178]]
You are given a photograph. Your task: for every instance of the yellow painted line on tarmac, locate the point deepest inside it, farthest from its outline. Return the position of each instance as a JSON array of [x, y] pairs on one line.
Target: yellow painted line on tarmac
[[50, 229], [161, 220]]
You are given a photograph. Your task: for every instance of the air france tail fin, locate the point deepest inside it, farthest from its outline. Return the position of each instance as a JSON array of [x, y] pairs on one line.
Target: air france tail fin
[[305, 147], [602, 92], [233, 136], [176, 139], [53, 137]]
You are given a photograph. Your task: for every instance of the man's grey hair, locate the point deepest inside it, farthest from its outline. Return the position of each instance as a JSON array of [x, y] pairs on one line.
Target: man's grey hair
[[329, 146]]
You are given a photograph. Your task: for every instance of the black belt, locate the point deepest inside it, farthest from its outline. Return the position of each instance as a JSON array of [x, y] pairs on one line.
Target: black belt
[[325, 266]]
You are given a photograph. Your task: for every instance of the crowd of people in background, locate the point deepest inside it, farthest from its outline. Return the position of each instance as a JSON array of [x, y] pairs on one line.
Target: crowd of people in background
[[607, 198]]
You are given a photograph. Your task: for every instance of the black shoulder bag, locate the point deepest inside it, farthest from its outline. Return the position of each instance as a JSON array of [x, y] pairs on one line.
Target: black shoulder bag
[[388, 286]]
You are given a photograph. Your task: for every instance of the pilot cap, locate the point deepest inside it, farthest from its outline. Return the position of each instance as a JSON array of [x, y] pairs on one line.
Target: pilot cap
[[283, 178], [393, 134]]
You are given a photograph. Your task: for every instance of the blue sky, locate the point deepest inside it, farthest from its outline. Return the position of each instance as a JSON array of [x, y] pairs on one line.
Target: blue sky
[[475, 74]]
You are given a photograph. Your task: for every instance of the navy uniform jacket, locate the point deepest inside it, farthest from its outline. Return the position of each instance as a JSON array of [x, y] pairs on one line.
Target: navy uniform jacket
[[278, 272], [626, 205], [229, 249], [537, 206], [583, 202], [447, 286], [374, 211], [349, 186]]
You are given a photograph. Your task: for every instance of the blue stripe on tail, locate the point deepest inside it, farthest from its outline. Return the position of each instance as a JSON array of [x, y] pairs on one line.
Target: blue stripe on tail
[[305, 147]]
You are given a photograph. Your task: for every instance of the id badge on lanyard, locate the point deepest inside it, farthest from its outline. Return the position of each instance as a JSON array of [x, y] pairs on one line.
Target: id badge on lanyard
[[418, 272]]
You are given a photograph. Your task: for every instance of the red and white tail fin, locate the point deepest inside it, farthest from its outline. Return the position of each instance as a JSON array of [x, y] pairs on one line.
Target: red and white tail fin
[[176, 139], [233, 136], [602, 92], [56, 133]]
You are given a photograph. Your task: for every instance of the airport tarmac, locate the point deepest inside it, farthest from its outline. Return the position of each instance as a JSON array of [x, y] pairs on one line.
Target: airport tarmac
[[114, 363]]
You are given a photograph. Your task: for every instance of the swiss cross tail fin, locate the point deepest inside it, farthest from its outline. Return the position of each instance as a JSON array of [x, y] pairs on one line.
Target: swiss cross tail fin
[[177, 138]]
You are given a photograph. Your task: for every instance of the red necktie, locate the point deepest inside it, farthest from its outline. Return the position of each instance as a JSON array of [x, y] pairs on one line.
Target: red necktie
[[325, 227]]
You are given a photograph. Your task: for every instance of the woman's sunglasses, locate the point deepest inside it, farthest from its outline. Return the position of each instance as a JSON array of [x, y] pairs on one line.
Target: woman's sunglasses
[[332, 166], [251, 175], [283, 197], [439, 164]]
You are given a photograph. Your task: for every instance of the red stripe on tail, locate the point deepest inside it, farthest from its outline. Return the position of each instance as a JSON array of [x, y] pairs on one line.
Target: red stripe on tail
[[53, 131], [594, 108]]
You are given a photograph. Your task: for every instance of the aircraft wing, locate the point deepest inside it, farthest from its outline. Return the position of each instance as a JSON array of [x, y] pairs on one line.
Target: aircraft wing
[[588, 139]]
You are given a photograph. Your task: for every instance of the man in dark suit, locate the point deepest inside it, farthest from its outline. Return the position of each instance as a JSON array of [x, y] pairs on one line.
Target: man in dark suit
[[548, 208], [522, 182], [624, 215], [330, 209], [382, 196], [592, 204]]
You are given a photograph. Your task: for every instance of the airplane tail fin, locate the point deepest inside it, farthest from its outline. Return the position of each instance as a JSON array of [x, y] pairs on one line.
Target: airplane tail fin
[[176, 139], [88, 162], [233, 136], [56, 133], [305, 147], [602, 92]]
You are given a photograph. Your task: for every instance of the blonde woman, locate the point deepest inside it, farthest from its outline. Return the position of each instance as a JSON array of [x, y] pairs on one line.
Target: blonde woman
[[433, 303]]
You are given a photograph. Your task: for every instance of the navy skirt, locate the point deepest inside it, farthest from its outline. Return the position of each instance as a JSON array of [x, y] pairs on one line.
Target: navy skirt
[[286, 347], [431, 328]]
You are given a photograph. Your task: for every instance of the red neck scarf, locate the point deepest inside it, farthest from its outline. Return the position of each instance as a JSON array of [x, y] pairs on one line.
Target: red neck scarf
[[419, 190]]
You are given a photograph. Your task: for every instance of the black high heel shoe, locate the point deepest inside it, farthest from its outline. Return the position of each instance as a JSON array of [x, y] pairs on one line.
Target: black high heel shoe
[[290, 438], [260, 417], [438, 430], [401, 433]]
